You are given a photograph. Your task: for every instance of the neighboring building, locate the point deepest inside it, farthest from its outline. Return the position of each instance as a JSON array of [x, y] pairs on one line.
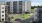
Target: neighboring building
[[38, 14], [35, 14], [2, 11]]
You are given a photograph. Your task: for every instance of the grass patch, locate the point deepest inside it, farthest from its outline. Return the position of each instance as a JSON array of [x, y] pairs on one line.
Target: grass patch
[[26, 16]]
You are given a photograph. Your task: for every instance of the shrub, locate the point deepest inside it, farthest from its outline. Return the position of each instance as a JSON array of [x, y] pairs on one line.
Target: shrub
[[8, 18], [0, 20], [12, 17]]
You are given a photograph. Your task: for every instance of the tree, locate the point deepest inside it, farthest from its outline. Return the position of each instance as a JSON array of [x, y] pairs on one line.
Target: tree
[[8, 18], [12, 17], [32, 7]]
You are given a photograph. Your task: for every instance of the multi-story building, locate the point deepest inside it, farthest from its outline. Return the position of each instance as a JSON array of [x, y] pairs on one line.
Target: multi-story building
[[38, 14], [19, 7], [2, 11]]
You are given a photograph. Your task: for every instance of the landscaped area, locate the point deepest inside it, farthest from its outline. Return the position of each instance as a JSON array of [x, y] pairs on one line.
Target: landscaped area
[[21, 16]]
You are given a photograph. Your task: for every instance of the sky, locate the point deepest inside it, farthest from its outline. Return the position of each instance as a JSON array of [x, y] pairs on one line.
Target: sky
[[33, 2], [36, 2]]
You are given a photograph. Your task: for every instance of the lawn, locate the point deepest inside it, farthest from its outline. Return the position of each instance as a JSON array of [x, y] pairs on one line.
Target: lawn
[[25, 16]]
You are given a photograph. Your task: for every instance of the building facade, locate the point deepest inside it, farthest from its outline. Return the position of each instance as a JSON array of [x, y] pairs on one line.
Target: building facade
[[38, 14], [8, 7], [20, 7], [2, 11]]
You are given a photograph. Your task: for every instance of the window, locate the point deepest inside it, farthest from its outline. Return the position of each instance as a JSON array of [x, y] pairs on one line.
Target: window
[[2, 7], [40, 11], [11, 9], [20, 2], [2, 19], [2, 11], [27, 10], [2, 15], [8, 3], [15, 2]]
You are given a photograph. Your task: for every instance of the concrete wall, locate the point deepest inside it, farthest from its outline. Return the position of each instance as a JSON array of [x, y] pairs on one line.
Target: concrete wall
[[27, 6], [0, 12], [11, 6]]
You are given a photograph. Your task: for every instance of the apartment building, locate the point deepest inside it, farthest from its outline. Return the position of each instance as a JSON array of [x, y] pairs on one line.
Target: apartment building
[[38, 14], [19, 7], [2, 11]]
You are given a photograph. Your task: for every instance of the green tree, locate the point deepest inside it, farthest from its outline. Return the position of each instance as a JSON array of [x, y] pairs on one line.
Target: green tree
[[12, 17], [32, 7], [8, 18]]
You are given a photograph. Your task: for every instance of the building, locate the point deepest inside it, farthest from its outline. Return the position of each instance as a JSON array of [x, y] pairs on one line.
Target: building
[[18, 7], [35, 14], [38, 14], [2, 11]]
